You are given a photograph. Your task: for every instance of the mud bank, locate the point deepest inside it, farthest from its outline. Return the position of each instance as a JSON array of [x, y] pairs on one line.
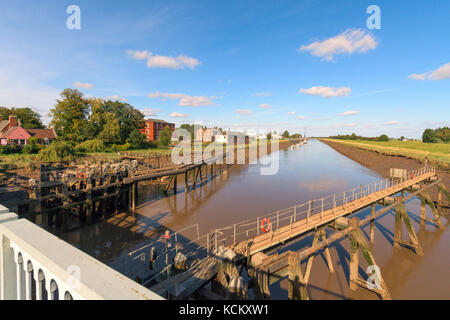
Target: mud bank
[[381, 163]]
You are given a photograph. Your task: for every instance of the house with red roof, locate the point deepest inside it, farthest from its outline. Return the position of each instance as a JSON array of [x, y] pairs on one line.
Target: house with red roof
[[11, 132]]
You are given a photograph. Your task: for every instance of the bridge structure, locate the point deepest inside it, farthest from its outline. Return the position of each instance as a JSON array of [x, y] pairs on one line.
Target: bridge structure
[[245, 244]]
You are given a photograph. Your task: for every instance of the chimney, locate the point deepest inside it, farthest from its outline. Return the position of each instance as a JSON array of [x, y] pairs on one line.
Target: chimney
[[12, 121]]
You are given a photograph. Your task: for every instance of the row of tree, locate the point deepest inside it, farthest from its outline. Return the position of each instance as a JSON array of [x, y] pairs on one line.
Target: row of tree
[[354, 136], [439, 135]]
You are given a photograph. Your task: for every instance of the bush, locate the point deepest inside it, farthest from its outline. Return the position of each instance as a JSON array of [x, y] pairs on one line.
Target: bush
[[137, 140], [121, 147], [56, 152], [383, 137], [90, 146], [32, 148], [10, 148]]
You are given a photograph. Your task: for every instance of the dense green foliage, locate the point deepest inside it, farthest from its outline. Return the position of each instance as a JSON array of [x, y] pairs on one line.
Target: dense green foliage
[[28, 118], [8, 149], [94, 145], [285, 134], [439, 135], [56, 152], [165, 136], [137, 140], [77, 119]]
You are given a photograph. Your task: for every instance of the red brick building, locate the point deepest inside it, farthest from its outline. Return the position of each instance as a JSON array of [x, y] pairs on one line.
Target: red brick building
[[153, 127]]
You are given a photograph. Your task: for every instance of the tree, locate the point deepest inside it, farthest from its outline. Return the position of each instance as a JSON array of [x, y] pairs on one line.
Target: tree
[[383, 137], [70, 116], [269, 136], [28, 118], [402, 138], [110, 133], [428, 136], [165, 137], [126, 116], [137, 140], [286, 134]]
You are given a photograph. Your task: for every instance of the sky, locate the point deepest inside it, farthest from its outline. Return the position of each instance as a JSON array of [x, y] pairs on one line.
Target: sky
[[304, 66]]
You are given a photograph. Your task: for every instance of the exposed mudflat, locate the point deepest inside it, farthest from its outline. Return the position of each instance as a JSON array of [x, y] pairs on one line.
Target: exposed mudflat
[[381, 162]]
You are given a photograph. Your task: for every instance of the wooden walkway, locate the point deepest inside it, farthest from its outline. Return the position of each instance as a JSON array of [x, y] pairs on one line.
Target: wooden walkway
[[299, 223], [283, 234]]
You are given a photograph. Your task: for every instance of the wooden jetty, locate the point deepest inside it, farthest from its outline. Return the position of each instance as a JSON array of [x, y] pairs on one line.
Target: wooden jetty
[[90, 193], [245, 243]]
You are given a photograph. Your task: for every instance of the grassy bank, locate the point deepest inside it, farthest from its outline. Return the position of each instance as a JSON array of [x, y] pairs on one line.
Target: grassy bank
[[435, 152]]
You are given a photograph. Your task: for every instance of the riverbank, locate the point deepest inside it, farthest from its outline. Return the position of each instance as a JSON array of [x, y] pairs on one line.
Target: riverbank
[[382, 162], [437, 153]]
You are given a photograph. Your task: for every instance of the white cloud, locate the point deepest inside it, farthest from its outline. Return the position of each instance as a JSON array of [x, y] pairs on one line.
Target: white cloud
[[186, 100], [244, 111], [391, 123], [116, 97], [150, 112], [292, 113], [349, 41], [265, 106], [157, 61], [327, 92], [302, 117], [349, 113], [178, 115], [415, 76], [441, 73], [83, 85], [262, 94]]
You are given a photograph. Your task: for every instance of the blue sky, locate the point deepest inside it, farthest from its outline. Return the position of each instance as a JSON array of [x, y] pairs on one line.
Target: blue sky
[[237, 64]]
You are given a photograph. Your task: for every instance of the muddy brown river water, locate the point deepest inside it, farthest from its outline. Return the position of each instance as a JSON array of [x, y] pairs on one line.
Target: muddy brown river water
[[312, 171]]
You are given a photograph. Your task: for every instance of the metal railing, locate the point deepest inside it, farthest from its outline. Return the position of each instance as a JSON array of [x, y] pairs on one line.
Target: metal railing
[[206, 245], [311, 210]]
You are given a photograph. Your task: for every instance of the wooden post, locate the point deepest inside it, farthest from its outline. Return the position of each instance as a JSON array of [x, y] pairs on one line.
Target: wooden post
[[186, 182], [372, 225], [261, 284], [326, 252], [358, 241], [401, 215], [175, 184], [423, 211], [297, 284]]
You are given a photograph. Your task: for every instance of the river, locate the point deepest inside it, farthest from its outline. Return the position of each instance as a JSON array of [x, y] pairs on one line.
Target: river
[[309, 172]]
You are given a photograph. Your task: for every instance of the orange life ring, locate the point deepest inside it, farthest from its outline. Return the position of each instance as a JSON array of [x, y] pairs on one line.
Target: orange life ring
[[412, 175], [82, 175], [269, 225]]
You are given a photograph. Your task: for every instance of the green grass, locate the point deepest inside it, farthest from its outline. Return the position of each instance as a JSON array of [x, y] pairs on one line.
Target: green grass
[[439, 152]]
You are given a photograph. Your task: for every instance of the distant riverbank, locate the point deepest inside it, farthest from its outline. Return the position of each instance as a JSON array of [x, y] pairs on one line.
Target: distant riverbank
[[381, 161]]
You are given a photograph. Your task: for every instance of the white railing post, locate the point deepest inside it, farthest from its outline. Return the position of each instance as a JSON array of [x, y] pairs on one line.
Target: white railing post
[[19, 279], [257, 226]]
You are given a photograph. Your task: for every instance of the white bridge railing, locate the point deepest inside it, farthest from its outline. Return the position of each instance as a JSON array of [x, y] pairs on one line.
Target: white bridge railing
[[36, 265]]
